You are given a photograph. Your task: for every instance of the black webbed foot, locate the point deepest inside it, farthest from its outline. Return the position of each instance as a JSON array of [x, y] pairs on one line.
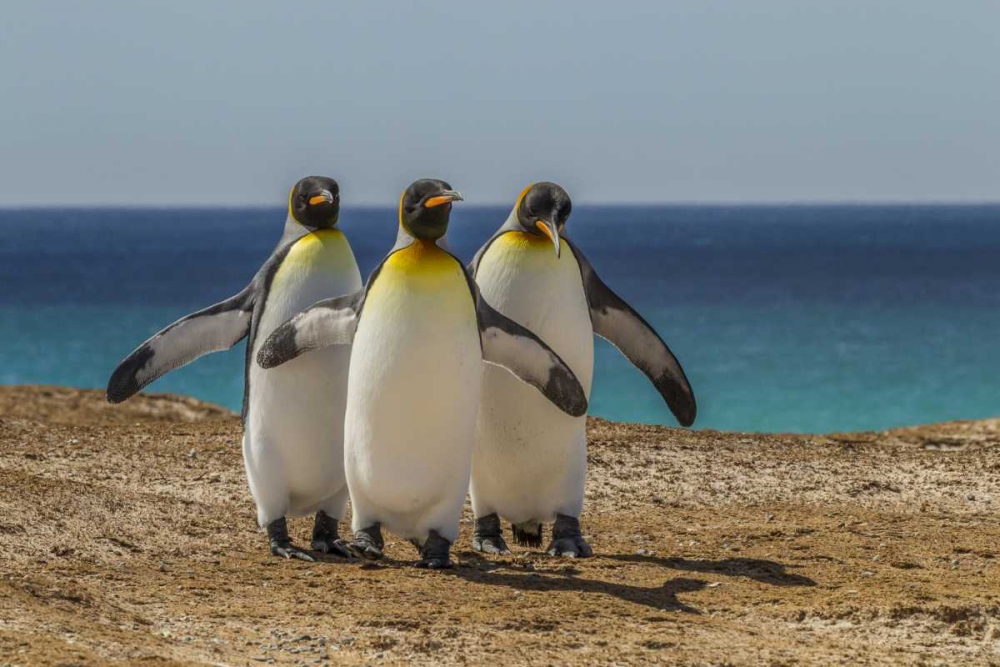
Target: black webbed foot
[[367, 543], [281, 544], [291, 551], [326, 539], [567, 540], [488, 536], [434, 554], [528, 534]]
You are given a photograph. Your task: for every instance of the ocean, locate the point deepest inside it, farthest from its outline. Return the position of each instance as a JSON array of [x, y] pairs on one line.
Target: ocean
[[786, 318]]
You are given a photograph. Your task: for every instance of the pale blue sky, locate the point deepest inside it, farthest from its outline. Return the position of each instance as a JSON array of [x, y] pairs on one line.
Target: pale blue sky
[[132, 102]]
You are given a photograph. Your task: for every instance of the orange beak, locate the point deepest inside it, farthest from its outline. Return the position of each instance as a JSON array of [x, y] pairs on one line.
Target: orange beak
[[550, 230], [324, 198], [445, 198]]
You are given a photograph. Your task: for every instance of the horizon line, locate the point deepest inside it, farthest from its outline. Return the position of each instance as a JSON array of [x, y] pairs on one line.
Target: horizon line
[[585, 203]]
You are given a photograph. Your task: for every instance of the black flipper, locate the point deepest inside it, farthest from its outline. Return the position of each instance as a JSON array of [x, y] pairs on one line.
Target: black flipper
[[326, 322], [508, 344], [617, 322], [211, 329]]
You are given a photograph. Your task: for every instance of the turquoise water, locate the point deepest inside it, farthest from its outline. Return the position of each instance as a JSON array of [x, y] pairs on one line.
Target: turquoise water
[[807, 319]]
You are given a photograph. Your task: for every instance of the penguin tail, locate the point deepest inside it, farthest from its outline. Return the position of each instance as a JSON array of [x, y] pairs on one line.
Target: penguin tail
[[528, 534]]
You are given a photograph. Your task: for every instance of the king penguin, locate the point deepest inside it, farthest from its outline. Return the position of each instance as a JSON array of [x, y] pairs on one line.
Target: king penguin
[[529, 462], [293, 418], [419, 333]]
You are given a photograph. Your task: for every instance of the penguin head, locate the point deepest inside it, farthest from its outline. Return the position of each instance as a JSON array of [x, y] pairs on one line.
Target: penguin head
[[315, 202], [425, 207], [543, 209]]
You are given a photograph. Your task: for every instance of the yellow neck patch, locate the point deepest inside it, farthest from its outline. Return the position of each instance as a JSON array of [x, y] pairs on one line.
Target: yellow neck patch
[[421, 256], [423, 282], [422, 266], [524, 241], [323, 248], [517, 251]]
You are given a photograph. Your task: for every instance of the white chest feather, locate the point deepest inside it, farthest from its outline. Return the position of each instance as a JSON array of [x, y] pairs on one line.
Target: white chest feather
[[413, 387], [294, 432], [522, 278], [318, 266], [529, 462]]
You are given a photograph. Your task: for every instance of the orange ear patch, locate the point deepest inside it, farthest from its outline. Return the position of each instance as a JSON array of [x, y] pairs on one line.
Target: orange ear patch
[[523, 193]]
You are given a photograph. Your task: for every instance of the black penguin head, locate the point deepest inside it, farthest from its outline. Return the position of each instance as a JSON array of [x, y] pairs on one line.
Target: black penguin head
[[425, 207], [315, 202], [543, 209]]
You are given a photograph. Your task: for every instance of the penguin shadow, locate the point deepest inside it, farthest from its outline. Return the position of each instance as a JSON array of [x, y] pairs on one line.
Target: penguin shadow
[[331, 559], [476, 569], [764, 571]]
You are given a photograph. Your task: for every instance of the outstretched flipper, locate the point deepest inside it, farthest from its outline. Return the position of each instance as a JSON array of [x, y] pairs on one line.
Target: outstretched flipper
[[327, 322], [212, 329], [617, 322], [506, 343]]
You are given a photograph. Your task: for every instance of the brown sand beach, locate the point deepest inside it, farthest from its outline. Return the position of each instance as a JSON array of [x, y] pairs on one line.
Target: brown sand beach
[[127, 536]]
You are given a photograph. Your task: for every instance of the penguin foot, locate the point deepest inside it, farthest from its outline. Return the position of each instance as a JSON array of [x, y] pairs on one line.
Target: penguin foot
[[528, 534], [488, 536], [367, 543], [281, 544], [326, 539], [434, 554], [289, 550], [567, 540], [337, 547]]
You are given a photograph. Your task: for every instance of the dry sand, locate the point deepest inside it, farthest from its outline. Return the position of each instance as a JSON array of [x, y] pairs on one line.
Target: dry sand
[[127, 536]]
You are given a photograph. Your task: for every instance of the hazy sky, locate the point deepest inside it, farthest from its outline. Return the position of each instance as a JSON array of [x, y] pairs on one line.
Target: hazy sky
[[135, 102]]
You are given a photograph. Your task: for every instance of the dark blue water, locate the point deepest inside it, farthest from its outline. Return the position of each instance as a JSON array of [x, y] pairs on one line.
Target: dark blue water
[[785, 318]]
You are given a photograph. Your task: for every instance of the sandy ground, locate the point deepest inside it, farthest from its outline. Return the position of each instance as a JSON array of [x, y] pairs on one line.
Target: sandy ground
[[127, 536]]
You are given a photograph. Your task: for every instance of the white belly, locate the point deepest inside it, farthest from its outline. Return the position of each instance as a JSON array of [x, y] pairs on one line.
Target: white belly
[[413, 392], [530, 458], [293, 442]]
